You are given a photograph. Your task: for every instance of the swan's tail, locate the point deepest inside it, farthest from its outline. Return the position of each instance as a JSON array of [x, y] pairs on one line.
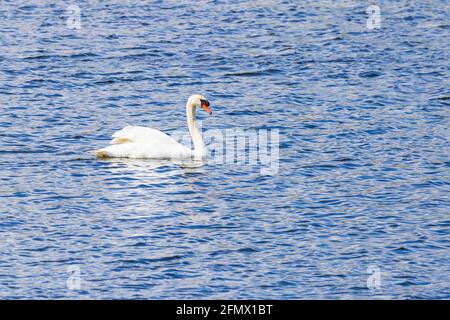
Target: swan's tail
[[101, 153]]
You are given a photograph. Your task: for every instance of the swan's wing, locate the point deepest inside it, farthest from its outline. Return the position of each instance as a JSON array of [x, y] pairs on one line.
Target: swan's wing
[[140, 134]]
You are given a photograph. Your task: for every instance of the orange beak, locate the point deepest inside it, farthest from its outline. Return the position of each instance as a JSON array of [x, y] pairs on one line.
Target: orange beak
[[205, 106]]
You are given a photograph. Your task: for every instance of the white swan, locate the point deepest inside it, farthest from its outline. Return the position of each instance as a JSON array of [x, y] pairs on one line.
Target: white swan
[[147, 143]]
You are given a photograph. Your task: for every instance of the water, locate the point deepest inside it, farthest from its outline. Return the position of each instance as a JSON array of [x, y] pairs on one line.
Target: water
[[358, 209]]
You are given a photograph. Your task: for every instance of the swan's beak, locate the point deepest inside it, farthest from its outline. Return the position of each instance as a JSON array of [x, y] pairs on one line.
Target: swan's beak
[[205, 106]]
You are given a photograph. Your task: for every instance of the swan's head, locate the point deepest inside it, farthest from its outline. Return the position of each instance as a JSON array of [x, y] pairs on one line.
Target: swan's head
[[197, 100]]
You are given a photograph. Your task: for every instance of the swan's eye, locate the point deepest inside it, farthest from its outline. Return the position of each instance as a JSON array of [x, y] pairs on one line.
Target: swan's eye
[[205, 106]]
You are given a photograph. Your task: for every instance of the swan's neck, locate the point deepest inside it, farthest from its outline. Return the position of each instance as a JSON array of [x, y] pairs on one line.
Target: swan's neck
[[199, 146]]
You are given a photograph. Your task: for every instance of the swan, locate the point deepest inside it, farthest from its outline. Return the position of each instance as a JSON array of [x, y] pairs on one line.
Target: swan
[[137, 142]]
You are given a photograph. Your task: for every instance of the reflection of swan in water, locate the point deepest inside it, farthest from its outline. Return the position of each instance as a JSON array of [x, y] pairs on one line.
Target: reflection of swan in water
[[148, 168], [146, 143], [149, 188]]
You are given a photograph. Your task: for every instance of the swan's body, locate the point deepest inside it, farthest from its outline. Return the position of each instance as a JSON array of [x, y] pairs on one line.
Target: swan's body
[[144, 143], [147, 143]]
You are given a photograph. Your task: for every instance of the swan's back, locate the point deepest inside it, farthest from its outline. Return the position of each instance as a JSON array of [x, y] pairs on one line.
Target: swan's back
[[137, 133]]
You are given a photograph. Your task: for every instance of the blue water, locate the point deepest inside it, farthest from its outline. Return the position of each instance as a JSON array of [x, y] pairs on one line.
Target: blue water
[[363, 181]]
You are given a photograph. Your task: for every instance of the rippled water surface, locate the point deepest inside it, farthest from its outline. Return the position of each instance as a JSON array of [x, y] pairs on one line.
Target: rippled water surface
[[362, 191]]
